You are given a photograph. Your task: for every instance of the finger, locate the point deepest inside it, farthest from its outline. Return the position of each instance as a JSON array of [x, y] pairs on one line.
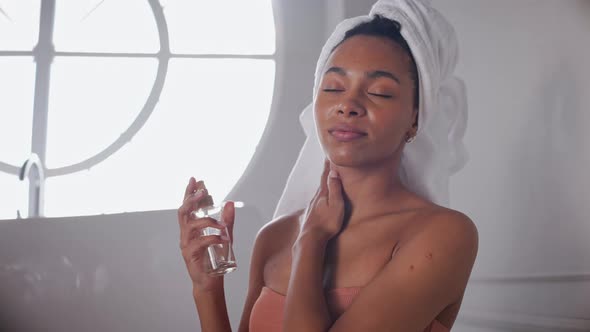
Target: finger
[[334, 188], [322, 190], [195, 250], [195, 228], [189, 188], [324, 179], [191, 203], [193, 186], [202, 223], [228, 215], [319, 191]]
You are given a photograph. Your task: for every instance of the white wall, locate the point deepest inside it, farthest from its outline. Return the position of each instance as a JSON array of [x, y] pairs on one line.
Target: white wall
[[525, 65]]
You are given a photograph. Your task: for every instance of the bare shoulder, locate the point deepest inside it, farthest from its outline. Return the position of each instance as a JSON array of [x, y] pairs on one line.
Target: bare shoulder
[[456, 225], [431, 219], [449, 231], [443, 244], [279, 231]]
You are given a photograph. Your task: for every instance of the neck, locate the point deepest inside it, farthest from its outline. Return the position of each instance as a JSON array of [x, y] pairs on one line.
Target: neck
[[369, 189]]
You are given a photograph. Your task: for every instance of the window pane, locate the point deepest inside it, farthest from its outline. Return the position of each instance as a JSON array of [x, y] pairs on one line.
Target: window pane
[[105, 26], [209, 27], [209, 120], [19, 24], [14, 194], [91, 102], [16, 108]]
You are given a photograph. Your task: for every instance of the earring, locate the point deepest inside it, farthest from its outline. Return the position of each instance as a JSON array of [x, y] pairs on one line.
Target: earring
[[410, 139]]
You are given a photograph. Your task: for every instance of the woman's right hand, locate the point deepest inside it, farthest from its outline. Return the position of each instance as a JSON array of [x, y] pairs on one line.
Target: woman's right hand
[[193, 243]]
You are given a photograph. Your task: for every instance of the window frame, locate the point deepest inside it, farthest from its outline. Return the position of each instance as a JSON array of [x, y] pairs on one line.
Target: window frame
[[44, 53]]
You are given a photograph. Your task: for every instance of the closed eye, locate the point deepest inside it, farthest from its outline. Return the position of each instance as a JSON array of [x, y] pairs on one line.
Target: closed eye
[[332, 90], [381, 95]]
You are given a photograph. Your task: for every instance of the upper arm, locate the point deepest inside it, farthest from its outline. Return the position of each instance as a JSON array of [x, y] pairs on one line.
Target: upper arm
[[255, 278], [265, 244], [429, 272]]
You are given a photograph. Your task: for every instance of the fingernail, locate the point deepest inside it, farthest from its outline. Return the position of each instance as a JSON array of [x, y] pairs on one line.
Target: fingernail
[[333, 174], [199, 193], [225, 237]]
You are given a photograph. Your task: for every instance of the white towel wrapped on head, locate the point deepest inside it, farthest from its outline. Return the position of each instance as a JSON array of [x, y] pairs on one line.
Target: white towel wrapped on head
[[438, 151]]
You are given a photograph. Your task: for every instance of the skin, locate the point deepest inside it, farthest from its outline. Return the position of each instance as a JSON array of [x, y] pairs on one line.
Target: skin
[[411, 257]]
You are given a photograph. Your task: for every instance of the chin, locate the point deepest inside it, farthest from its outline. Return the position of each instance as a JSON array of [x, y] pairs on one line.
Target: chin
[[359, 159], [347, 158]]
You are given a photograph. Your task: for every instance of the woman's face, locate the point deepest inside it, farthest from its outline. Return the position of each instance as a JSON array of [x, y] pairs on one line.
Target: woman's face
[[364, 105]]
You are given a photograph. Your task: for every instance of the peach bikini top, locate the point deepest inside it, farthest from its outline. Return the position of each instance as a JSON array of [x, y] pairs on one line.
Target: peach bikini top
[[267, 312]]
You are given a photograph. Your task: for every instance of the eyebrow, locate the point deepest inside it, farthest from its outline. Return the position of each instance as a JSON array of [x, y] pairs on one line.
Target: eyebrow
[[372, 74]]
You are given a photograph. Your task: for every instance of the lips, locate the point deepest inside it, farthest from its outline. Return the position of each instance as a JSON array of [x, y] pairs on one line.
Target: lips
[[346, 133]]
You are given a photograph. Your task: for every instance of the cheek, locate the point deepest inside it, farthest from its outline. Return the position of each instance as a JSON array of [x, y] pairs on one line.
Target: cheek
[[320, 113], [389, 130], [319, 118]]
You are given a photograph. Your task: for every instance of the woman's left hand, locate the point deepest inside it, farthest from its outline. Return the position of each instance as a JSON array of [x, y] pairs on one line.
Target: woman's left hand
[[325, 213]]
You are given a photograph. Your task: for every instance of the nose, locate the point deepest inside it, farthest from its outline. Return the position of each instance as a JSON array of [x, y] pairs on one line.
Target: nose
[[350, 107]]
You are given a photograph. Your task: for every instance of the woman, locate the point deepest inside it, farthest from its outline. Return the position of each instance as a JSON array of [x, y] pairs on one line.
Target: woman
[[371, 252]]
